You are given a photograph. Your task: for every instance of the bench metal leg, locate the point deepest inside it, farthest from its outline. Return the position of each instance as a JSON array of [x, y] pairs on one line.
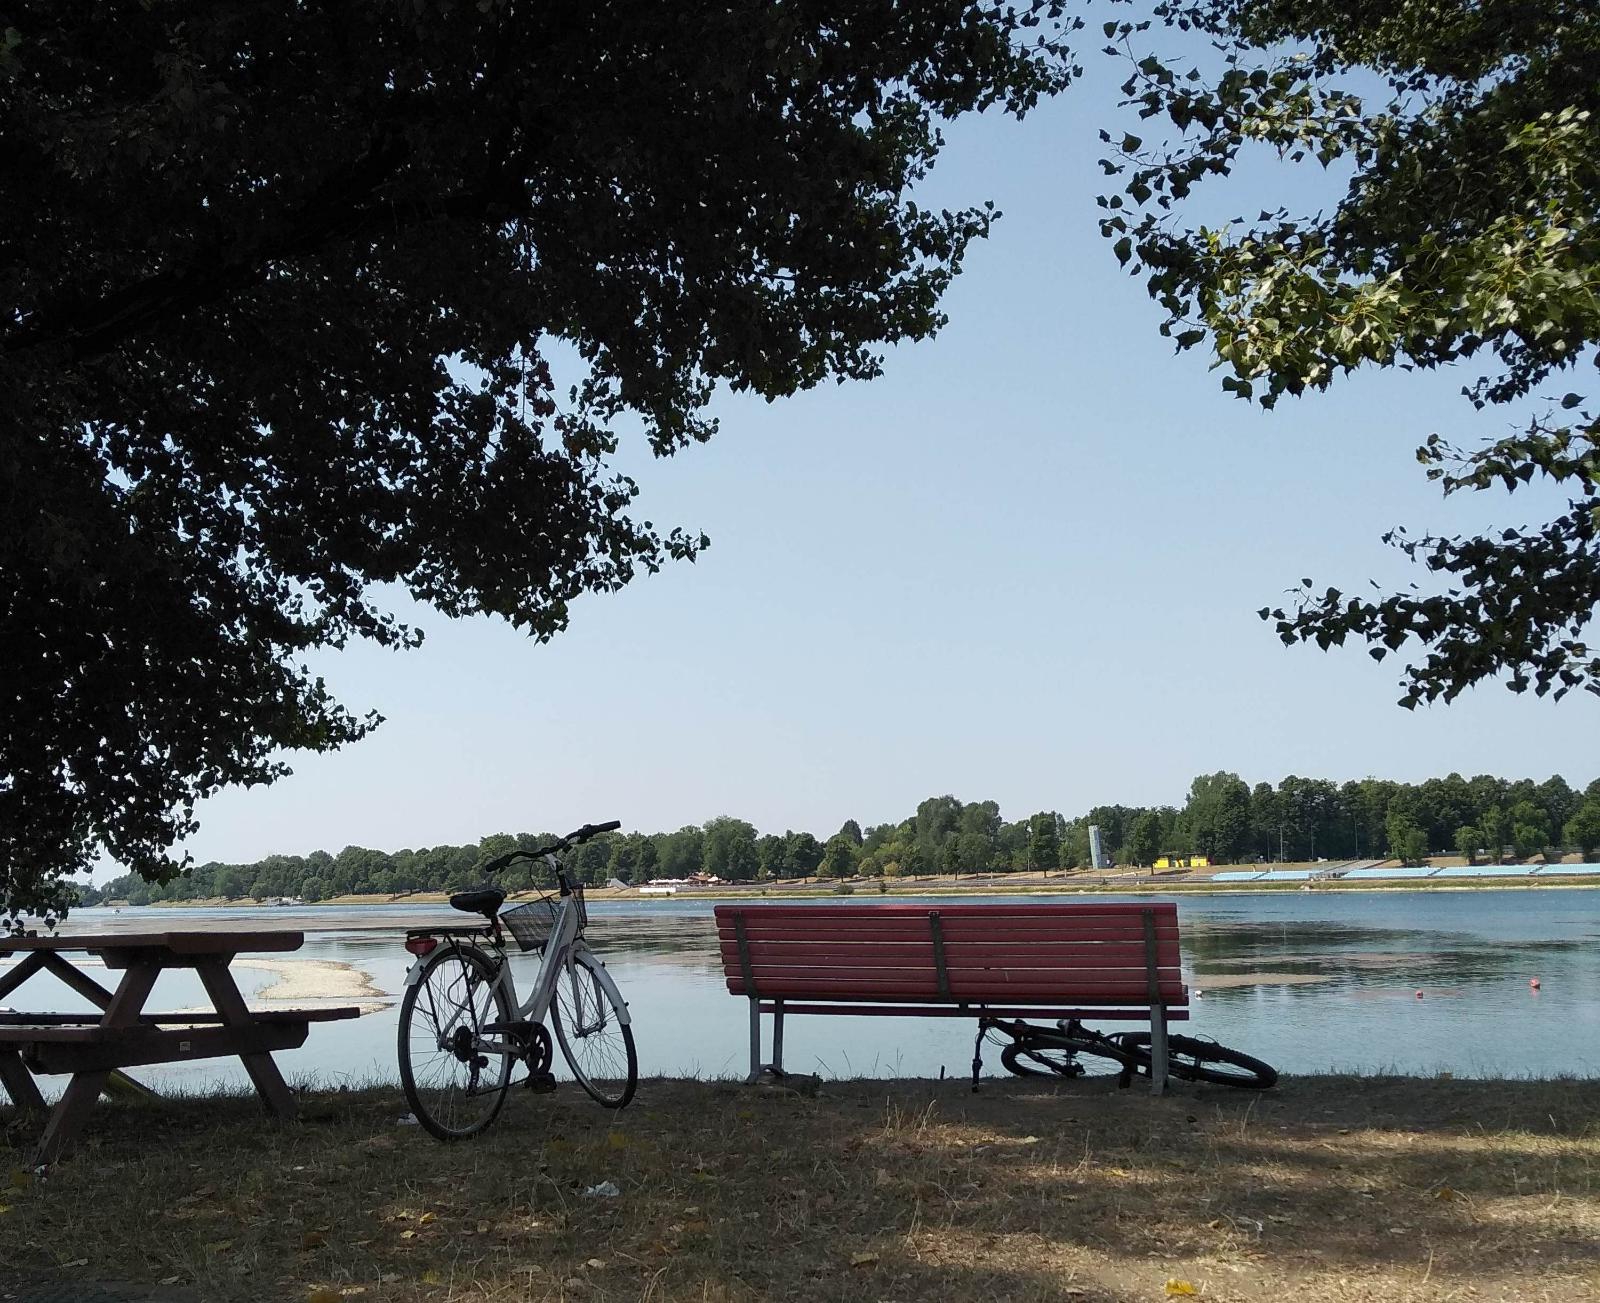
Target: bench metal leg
[[756, 1066], [1158, 1049], [755, 1041]]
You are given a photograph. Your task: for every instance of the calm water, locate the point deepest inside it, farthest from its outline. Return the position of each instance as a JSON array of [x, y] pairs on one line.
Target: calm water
[[1307, 981]]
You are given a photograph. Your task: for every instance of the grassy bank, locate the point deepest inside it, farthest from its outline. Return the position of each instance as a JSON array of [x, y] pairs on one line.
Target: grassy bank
[[1336, 1188]]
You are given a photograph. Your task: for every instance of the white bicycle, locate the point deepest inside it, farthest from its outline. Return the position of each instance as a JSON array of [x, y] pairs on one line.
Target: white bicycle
[[462, 1029]]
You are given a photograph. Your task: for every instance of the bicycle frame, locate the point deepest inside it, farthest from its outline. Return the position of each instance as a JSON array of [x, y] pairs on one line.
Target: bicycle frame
[[561, 951]]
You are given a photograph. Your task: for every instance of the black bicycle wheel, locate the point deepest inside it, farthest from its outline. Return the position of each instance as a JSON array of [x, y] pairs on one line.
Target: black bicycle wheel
[[1048, 1054], [1191, 1059], [595, 1040], [454, 1089]]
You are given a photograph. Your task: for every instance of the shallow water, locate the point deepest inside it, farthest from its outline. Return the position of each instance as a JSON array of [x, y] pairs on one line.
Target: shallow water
[[1308, 981]]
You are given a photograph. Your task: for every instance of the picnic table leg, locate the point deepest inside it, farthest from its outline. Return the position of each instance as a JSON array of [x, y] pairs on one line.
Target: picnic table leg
[[19, 1083], [70, 1113], [73, 1108], [269, 1082]]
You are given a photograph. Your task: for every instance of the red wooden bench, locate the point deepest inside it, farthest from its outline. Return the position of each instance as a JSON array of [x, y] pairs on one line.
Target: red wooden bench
[[1118, 962]]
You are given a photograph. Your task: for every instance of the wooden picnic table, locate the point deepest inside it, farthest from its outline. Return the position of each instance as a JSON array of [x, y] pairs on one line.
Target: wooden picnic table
[[124, 1035]]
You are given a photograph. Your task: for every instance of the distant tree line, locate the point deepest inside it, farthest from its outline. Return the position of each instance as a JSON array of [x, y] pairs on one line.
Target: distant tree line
[[1223, 818]]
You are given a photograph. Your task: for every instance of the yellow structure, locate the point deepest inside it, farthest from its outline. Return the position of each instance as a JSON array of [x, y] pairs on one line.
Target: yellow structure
[[1184, 862]]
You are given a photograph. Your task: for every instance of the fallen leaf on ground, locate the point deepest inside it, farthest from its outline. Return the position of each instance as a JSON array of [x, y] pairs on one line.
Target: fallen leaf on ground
[[432, 1278], [1445, 1192], [426, 1218], [313, 1240], [863, 1259], [1181, 1288], [169, 1280], [596, 1264], [616, 1140], [323, 1294]]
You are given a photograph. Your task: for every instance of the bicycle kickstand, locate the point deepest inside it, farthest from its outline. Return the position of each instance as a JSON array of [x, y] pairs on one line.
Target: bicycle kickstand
[[977, 1057]]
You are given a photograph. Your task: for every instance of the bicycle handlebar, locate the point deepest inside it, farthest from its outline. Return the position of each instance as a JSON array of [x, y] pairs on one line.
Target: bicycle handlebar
[[576, 838]]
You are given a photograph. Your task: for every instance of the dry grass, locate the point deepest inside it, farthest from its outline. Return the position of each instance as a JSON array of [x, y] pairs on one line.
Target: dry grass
[[1327, 1188]]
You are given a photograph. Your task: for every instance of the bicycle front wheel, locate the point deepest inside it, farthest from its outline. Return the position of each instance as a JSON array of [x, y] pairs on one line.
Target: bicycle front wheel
[[591, 1025], [1192, 1059], [1047, 1054], [454, 1088]]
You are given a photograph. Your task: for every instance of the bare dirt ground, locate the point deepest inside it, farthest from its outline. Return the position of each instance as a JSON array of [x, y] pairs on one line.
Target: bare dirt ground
[[1326, 1188]]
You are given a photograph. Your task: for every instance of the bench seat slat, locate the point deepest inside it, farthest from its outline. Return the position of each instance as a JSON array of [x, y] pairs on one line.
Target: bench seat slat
[[987, 975], [825, 917], [1050, 954], [955, 930], [1026, 910], [1053, 925], [1107, 993], [1010, 941], [946, 1010]]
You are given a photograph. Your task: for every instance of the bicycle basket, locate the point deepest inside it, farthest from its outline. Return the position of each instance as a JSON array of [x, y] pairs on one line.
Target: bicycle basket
[[530, 925]]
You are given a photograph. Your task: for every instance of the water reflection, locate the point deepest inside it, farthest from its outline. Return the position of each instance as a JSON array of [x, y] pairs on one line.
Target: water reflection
[[1308, 981]]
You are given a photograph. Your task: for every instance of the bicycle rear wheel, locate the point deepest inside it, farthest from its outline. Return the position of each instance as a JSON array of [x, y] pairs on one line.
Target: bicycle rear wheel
[[1054, 1054], [1191, 1059], [590, 1025], [454, 1089]]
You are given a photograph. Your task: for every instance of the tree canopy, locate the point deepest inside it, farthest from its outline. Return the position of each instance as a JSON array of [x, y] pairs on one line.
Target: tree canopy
[[298, 303], [1466, 234]]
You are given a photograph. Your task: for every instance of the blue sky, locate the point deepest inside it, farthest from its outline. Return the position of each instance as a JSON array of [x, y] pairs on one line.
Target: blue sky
[[1023, 565]]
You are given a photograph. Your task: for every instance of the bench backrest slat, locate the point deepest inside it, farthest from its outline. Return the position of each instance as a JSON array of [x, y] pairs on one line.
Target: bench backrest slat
[[1094, 954]]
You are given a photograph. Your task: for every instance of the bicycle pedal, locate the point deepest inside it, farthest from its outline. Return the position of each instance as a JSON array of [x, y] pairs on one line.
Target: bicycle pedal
[[540, 1083]]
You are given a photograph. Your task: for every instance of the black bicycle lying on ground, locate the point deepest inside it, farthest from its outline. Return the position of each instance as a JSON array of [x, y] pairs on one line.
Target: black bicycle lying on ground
[[1029, 1050]]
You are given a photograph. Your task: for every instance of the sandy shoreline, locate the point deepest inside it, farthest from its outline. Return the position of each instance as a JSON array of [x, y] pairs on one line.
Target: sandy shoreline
[[315, 983]]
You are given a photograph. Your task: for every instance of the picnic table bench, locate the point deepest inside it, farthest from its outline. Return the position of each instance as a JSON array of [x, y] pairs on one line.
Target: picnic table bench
[[1117, 962], [96, 1049]]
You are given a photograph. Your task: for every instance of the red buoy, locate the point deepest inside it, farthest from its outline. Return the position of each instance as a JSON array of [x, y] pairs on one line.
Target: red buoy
[[1419, 995], [1534, 983]]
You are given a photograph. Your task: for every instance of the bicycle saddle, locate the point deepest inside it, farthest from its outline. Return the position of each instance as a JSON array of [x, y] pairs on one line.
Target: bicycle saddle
[[485, 901]]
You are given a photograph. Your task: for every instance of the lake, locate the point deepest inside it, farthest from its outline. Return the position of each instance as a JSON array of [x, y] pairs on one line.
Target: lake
[[1309, 981]]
